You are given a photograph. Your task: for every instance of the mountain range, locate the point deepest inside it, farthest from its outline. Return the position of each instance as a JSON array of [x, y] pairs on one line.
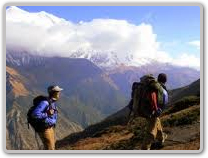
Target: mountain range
[[87, 98], [16, 16], [123, 69], [57, 33], [90, 93]]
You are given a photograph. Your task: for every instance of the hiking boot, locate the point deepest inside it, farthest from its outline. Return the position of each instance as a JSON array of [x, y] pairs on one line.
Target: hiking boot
[[160, 143], [146, 147], [156, 146]]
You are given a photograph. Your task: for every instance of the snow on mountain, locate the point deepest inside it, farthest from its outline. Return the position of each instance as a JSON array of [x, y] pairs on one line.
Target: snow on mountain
[[109, 59], [21, 58], [63, 39], [43, 19]]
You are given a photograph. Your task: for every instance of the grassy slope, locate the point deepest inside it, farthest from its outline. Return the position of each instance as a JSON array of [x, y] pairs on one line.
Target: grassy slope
[[181, 121], [182, 128]]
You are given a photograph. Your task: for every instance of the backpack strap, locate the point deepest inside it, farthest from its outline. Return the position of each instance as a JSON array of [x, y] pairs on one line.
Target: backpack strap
[[49, 103]]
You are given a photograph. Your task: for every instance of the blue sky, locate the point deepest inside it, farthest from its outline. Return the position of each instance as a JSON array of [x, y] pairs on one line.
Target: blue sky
[[175, 26]]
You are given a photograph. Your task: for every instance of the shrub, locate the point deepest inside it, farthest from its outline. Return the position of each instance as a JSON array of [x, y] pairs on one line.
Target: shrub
[[183, 104], [183, 118]]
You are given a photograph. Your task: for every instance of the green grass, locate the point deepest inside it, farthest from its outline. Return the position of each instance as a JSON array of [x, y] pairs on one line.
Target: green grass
[[183, 104], [184, 117]]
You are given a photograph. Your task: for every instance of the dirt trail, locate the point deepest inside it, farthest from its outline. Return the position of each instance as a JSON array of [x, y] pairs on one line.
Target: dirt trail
[[183, 138], [179, 138]]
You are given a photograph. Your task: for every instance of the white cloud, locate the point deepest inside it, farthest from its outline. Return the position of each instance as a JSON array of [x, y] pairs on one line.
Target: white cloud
[[61, 38], [102, 35], [187, 60], [195, 44]]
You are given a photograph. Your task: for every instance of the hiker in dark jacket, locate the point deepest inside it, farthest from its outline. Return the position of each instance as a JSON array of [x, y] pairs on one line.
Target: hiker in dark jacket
[[47, 111], [154, 127]]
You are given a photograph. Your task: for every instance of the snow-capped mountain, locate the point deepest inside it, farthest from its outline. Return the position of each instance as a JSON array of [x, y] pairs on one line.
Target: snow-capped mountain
[[43, 19], [109, 59], [15, 15], [106, 46], [21, 58]]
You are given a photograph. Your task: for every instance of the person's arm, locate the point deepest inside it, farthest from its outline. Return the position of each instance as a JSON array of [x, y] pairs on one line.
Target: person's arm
[[51, 120], [153, 99], [165, 97], [52, 117], [40, 112]]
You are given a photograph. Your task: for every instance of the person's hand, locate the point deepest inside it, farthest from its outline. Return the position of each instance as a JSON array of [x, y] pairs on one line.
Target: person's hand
[[50, 112]]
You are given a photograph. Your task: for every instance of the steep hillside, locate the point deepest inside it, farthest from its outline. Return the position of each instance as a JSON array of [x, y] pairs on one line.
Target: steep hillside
[[181, 122], [190, 90], [85, 99], [182, 135], [19, 99], [88, 96], [14, 83]]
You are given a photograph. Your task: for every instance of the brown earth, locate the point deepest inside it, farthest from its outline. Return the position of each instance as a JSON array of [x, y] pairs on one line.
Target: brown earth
[[15, 79], [129, 137]]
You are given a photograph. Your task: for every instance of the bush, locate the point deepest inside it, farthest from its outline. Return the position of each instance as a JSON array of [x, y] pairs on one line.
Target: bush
[[183, 104], [183, 118]]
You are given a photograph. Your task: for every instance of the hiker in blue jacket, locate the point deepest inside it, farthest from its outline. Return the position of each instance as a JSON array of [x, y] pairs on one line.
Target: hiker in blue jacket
[[47, 111]]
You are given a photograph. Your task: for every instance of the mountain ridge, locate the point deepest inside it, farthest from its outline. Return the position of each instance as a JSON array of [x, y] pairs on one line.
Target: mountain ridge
[[91, 85]]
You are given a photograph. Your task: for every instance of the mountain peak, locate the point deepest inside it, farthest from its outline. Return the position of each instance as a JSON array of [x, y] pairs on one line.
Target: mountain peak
[[14, 9], [42, 18]]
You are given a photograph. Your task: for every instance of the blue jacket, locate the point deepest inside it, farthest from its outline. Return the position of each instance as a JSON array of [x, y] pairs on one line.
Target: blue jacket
[[41, 113]]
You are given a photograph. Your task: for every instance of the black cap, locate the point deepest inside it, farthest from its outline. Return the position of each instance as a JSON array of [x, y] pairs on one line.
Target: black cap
[[162, 78]]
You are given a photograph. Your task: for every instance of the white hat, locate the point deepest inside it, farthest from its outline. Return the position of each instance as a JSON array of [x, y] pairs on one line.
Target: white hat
[[54, 89]]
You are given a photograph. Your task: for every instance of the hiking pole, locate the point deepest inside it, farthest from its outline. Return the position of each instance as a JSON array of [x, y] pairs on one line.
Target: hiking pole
[[131, 118], [175, 141], [130, 106]]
